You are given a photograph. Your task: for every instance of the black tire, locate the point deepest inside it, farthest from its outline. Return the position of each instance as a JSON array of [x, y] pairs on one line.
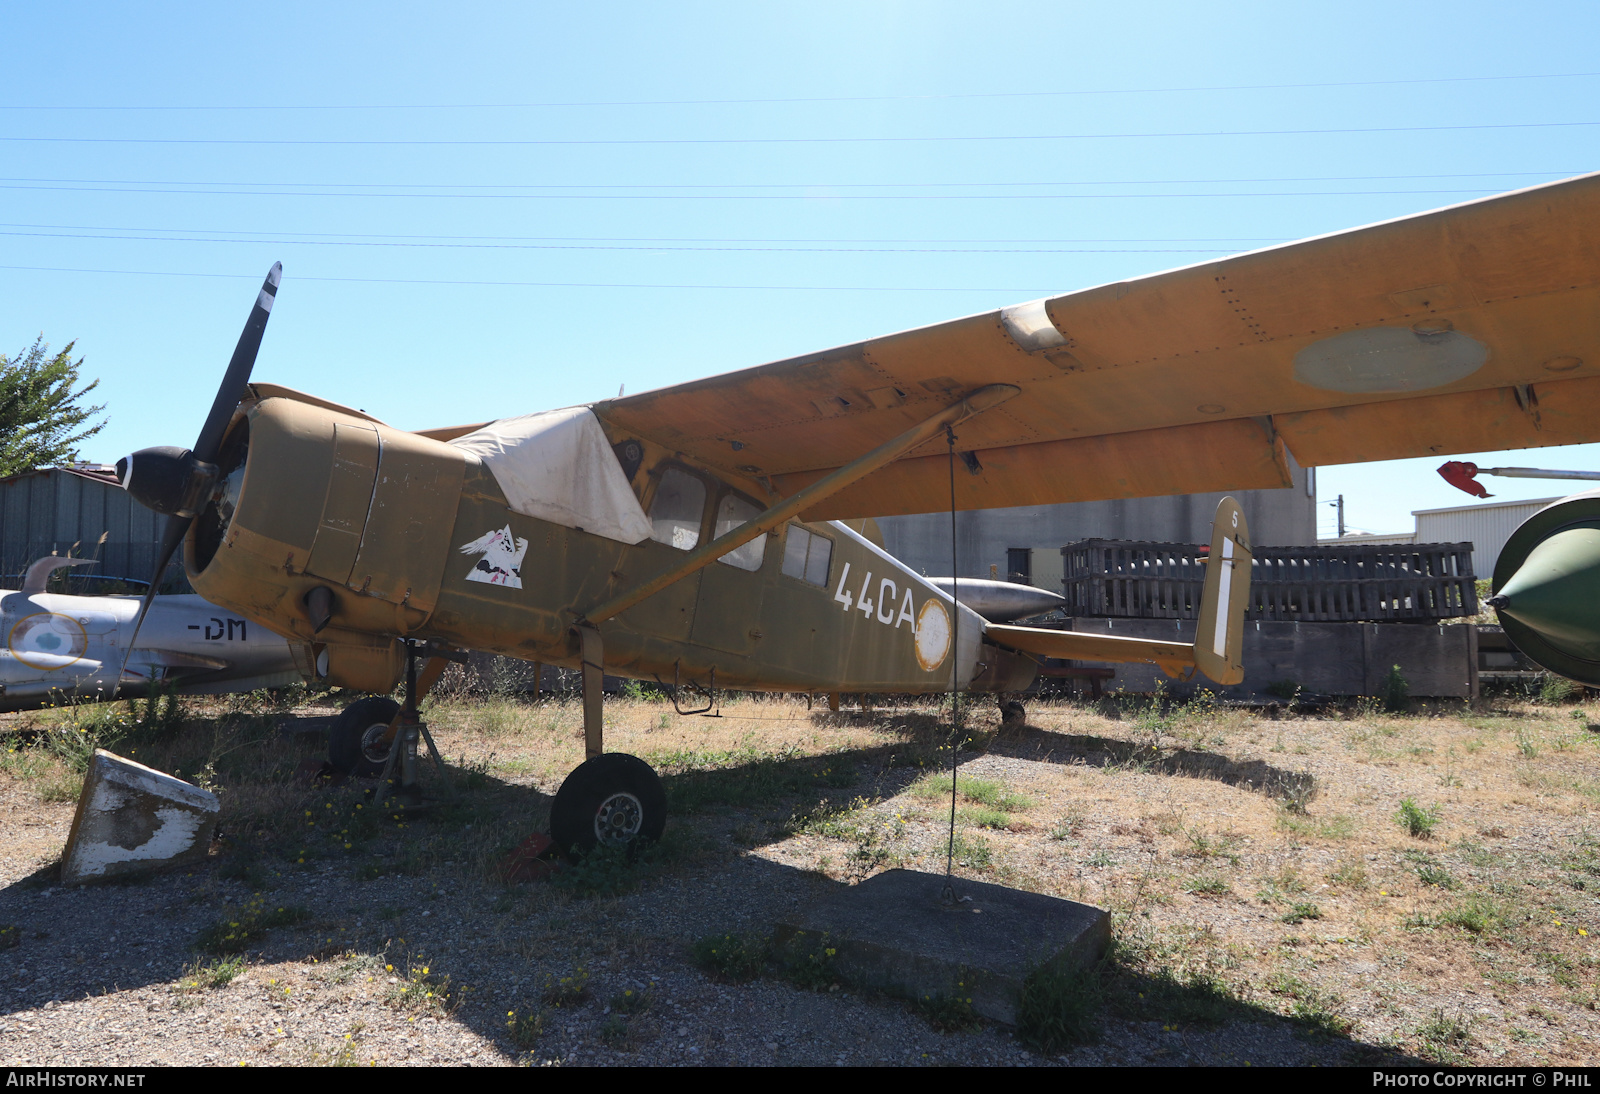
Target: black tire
[[358, 743], [614, 798]]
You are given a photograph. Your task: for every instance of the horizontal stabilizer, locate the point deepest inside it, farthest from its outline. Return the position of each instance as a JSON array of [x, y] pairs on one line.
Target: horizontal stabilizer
[[1175, 658], [1219, 638]]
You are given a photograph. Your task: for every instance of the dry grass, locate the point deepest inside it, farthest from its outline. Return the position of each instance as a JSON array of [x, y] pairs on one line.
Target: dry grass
[[1252, 864]]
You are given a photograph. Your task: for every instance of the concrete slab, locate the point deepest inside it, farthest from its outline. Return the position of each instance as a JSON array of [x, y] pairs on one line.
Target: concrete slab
[[894, 933], [132, 818]]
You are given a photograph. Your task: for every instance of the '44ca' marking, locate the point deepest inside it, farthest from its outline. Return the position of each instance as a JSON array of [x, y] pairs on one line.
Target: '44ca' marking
[[885, 612]]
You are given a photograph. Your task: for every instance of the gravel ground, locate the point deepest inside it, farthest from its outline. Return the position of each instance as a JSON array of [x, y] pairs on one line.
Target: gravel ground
[[110, 975], [101, 976]]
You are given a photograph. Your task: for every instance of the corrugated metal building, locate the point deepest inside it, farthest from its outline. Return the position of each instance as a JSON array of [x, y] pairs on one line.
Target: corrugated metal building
[[1486, 527], [1024, 543], [65, 510]]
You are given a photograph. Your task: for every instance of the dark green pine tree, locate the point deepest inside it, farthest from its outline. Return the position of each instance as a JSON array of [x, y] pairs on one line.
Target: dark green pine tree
[[41, 419]]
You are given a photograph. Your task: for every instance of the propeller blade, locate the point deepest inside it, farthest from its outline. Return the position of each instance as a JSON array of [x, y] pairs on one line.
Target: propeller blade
[[238, 374], [182, 480], [177, 528]]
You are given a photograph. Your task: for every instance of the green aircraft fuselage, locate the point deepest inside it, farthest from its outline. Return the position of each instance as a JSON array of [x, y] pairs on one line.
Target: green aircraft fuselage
[[387, 522]]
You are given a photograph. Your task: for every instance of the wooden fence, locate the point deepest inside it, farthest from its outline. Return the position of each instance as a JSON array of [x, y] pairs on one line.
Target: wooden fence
[[1130, 579]]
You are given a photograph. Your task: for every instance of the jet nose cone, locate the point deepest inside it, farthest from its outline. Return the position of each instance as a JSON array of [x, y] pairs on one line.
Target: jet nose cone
[[1556, 591]]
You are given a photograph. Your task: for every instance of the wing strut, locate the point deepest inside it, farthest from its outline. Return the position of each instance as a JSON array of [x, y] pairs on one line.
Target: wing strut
[[974, 404]]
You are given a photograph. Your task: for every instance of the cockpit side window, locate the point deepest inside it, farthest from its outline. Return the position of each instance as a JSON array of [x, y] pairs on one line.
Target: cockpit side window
[[806, 555], [731, 513], [677, 509]]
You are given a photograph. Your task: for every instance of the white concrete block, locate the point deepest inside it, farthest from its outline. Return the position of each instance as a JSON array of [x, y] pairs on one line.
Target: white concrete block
[[133, 818]]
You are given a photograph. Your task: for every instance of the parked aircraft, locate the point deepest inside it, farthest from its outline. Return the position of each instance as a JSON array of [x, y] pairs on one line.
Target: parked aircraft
[[689, 534], [62, 649]]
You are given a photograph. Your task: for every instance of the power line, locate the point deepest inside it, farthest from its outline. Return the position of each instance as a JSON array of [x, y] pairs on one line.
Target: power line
[[281, 240], [642, 239], [764, 197], [930, 97], [650, 141], [1031, 290], [806, 185]]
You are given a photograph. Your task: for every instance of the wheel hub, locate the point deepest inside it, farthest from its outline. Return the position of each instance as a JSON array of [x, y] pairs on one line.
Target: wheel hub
[[618, 820], [373, 745]]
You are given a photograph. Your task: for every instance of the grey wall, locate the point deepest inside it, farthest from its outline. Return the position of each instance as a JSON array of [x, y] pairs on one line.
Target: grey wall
[[48, 511], [1280, 518]]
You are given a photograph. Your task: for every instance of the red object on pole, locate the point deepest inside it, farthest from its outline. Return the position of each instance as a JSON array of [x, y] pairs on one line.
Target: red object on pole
[[1460, 475]]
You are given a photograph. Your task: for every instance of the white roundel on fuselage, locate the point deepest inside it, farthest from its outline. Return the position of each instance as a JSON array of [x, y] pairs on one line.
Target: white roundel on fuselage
[[933, 635], [48, 641]]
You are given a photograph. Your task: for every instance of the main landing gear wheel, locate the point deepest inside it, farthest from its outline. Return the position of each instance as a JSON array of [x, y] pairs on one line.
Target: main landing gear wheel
[[358, 743], [614, 799]]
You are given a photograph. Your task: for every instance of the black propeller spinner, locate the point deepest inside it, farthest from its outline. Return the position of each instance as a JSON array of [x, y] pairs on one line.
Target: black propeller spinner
[[179, 481]]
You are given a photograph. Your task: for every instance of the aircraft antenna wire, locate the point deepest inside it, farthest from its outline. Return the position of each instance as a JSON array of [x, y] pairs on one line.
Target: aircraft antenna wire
[[948, 894]]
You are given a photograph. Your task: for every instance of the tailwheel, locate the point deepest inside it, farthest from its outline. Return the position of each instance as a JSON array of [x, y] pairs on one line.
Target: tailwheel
[[358, 743], [614, 799]]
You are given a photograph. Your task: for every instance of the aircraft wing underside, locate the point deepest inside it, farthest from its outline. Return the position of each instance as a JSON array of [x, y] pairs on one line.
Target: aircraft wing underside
[[1471, 328]]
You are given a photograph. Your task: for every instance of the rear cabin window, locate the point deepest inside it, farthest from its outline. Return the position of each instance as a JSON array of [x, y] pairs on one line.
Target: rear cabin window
[[806, 555], [733, 512], [676, 510]]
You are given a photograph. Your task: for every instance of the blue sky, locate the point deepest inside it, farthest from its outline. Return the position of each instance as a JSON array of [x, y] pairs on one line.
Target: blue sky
[[489, 209]]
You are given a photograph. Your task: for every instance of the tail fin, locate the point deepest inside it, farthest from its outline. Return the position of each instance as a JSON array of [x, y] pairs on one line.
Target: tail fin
[[1219, 637]]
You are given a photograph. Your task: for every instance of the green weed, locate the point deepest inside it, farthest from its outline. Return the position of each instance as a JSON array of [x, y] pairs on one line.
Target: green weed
[[1312, 1007], [614, 1032], [568, 991], [1070, 826], [604, 871], [810, 962], [236, 933], [1443, 1036], [730, 957], [421, 989], [631, 1001], [974, 852], [1417, 821], [989, 792], [950, 1013], [984, 817], [1351, 874], [1437, 876], [1396, 692], [526, 1028], [1059, 1007], [1336, 827], [208, 975], [1207, 886]]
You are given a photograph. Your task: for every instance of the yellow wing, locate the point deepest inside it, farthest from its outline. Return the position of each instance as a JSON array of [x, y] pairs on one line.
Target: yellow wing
[[1471, 328]]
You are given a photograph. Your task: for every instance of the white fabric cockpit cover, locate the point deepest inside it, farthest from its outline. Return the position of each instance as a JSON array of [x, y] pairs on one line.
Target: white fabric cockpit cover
[[558, 466]]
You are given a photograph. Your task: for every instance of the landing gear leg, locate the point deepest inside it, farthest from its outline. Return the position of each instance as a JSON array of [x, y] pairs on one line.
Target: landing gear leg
[[593, 697], [410, 732]]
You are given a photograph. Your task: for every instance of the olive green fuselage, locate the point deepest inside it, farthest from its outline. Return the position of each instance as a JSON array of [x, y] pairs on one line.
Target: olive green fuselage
[[381, 518]]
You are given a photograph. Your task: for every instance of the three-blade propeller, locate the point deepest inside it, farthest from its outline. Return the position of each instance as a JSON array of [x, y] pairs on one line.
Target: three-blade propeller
[[179, 482]]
